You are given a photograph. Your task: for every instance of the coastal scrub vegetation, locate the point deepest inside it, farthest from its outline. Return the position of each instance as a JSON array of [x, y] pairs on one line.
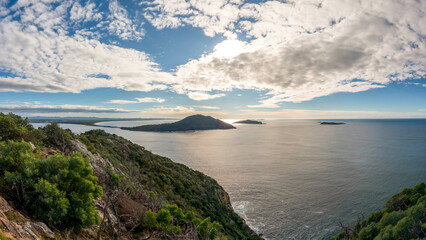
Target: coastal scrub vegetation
[[57, 189], [48, 175], [173, 221], [170, 182], [404, 217]]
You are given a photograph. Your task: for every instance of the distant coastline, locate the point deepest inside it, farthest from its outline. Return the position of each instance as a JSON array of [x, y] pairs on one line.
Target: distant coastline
[[87, 121]]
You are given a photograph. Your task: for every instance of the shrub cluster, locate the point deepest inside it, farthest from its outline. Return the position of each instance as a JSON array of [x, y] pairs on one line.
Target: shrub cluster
[[403, 218], [172, 220], [58, 189]]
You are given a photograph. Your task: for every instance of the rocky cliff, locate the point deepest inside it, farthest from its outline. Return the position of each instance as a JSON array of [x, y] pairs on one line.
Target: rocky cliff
[[14, 225]]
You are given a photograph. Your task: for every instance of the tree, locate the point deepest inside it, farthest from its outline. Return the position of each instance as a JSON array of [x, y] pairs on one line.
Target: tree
[[57, 136], [13, 127]]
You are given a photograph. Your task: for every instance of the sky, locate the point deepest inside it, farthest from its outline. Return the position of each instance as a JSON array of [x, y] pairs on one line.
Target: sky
[[313, 59]]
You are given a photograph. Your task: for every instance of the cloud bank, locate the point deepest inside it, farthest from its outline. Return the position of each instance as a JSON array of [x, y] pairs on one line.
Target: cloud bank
[[295, 50], [139, 100], [38, 108]]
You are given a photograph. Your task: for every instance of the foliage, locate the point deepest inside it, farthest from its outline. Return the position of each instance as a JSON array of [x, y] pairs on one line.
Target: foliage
[[3, 237], [58, 137], [58, 189], [172, 220], [169, 182], [13, 127], [403, 218]]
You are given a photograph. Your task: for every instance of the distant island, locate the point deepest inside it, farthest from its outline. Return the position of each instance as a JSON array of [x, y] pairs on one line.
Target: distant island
[[249, 122], [191, 123], [331, 123]]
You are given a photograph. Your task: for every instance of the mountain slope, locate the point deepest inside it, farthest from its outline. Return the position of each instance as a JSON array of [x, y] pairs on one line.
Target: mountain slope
[[134, 194]]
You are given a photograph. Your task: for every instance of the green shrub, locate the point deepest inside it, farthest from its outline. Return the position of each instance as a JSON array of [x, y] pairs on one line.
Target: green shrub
[[149, 220], [3, 237], [58, 189], [403, 218], [171, 219], [13, 127], [58, 137]]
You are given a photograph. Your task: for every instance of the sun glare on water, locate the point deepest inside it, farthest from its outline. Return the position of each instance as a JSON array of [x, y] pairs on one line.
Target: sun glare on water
[[230, 121]]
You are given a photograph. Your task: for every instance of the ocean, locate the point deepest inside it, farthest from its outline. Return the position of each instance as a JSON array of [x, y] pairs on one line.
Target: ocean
[[297, 179]]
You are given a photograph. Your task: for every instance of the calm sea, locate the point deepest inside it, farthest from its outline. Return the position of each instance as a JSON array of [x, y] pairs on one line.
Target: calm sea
[[298, 179]]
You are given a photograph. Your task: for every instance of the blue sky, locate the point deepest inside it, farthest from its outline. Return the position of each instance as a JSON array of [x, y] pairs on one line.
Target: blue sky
[[226, 58]]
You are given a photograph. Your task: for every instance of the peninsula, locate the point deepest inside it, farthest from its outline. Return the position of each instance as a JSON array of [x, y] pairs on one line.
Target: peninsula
[[191, 123]]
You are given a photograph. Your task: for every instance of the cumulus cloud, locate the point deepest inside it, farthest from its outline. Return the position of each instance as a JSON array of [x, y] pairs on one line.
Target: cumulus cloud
[[121, 25], [45, 62], [37, 108], [329, 114], [295, 50], [198, 96], [151, 100], [208, 107], [307, 49], [213, 16], [139, 100], [85, 13]]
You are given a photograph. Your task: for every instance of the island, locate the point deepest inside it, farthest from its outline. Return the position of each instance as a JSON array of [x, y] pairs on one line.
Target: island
[[248, 122], [331, 123], [191, 123]]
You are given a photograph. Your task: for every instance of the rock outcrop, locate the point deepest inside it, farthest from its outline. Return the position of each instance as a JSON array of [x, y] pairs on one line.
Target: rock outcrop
[[14, 225]]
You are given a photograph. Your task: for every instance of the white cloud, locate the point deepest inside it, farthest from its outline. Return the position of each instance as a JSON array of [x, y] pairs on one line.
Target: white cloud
[[303, 50], [298, 50], [121, 25], [38, 108], [213, 16], [138, 100], [328, 114], [208, 107], [122, 101], [151, 100], [46, 62], [199, 96], [85, 13]]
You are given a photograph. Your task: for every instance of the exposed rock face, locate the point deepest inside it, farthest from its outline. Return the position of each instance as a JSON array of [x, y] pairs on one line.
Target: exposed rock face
[[98, 163], [16, 226]]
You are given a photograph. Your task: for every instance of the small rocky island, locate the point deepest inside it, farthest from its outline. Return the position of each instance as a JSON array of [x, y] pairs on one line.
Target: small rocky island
[[191, 123], [248, 122], [331, 123]]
